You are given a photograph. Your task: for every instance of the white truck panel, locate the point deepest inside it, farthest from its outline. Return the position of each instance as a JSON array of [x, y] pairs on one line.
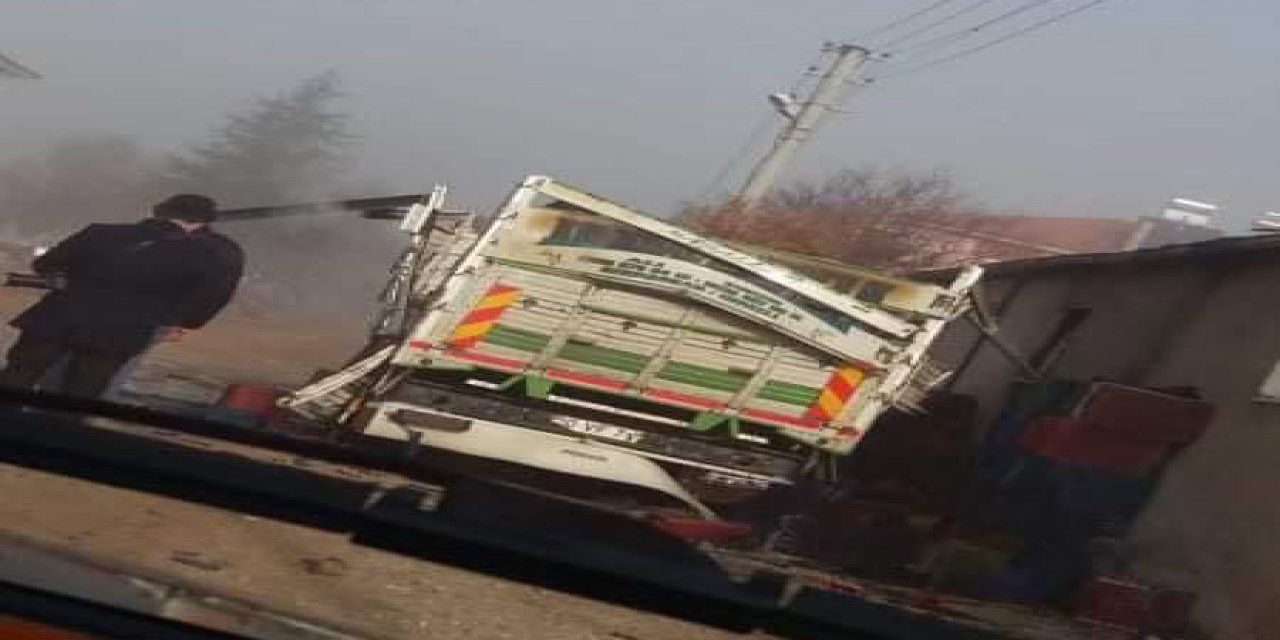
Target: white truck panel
[[580, 291]]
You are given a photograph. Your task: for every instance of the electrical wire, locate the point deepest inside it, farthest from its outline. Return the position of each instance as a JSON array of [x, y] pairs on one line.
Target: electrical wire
[[810, 71], [894, 24], [937, 23], [753, 139], [757, 132], [950, 38], [964, 53]]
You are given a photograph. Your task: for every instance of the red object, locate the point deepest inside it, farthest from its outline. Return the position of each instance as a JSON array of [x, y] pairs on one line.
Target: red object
[[1133, 605], [684, 398], [476, 356], [581, 377], [256, 398], [924, 598], [690, 528], [1145, 414], [795, 421], [1079, 442]]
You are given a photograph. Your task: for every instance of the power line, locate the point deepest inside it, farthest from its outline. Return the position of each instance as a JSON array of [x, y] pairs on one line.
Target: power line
[[761, 128], [810, 70], [964, 53], [938, 23], [802, 119], [894, 24], [735, 160], [948, 38]]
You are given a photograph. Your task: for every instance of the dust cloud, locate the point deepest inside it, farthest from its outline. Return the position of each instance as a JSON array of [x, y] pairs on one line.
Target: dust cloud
[[323, 270]]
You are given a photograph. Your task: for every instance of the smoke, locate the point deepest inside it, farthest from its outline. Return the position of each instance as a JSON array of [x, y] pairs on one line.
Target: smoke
[[74, 181], [324, 270]]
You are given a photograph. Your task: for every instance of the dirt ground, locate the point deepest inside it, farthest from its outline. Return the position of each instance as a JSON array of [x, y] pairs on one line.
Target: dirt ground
[[373, 592]]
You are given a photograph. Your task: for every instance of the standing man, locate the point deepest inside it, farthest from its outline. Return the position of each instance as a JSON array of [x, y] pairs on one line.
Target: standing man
[[120, 286]]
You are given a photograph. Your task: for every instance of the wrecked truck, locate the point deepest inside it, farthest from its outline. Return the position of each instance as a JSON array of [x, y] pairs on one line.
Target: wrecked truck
[[575, 343]]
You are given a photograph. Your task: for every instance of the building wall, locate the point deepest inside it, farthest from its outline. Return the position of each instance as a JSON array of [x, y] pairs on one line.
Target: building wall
[[1213, 524]]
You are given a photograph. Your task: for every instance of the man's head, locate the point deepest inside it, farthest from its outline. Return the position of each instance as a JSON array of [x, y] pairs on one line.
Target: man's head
[[187, 207]]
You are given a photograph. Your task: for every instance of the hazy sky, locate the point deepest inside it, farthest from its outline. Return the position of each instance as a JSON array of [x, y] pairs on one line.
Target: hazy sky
[[645, 100]]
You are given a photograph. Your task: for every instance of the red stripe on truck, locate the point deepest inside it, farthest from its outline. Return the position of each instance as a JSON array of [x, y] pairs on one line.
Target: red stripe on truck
[[592, 379], [483, 315], [472, 328], [760, 414], [614, 384], [484, 358], [684, 398]]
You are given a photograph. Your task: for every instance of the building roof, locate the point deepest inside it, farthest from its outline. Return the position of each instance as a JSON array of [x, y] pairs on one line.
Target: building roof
[[996, 238], [1206, 251], [1068, 234]]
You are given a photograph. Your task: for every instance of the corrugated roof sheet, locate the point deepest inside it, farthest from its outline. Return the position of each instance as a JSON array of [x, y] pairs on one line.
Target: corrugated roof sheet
[[1074, 234], [1220, 249]]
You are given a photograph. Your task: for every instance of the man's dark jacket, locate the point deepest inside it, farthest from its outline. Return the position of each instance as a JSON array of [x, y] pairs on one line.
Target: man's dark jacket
[[123, 281]]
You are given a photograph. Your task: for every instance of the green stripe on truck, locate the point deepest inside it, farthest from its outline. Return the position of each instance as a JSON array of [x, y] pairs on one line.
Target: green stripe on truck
[[718, 379], [603, 357], [506, 336], [788, 393], [512, 338], [682, 372]]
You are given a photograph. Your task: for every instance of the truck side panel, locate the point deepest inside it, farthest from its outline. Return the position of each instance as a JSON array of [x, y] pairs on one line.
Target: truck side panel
[[567, 289], [596, 335]]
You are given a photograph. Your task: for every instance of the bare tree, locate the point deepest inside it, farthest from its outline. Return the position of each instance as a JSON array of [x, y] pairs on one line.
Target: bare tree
[[876, 218], [288, 148]]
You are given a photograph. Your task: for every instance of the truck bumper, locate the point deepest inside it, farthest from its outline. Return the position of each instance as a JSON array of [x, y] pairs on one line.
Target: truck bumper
[[550, 452]]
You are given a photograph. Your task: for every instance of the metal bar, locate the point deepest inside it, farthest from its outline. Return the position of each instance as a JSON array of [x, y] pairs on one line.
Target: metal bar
[[1006, 348], [978, 297], [972, 352], [379, 207]]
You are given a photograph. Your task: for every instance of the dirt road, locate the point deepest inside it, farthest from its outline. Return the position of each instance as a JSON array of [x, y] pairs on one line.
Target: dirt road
[[291, 568]]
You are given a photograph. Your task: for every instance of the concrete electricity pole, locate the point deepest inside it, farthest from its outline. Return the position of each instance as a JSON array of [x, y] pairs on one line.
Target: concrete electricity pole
[[801, 119]]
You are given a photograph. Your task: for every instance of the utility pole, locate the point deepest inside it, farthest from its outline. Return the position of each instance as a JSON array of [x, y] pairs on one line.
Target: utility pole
[[802, 119]]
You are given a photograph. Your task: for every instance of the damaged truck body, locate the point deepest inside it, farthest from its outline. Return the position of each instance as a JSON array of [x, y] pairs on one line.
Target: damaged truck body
[[579, 342]]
